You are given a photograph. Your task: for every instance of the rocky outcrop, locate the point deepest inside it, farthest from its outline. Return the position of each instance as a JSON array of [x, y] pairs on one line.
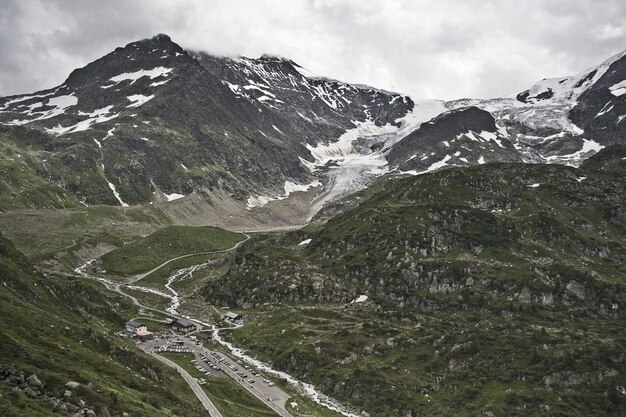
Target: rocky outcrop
[[34, 388]]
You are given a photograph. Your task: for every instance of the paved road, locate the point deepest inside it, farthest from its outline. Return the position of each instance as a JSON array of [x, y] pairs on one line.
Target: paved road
[[139, 277], [195, 387], [272, 396]]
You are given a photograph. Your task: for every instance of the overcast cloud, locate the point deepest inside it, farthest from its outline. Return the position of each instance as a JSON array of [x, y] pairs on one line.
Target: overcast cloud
[[427, 48]]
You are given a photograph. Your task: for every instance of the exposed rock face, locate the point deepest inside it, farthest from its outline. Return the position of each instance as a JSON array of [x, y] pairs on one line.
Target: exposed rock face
[[154, 122], [158, 121], [510, 233], [459, 137], [600, 110], [34, 381]]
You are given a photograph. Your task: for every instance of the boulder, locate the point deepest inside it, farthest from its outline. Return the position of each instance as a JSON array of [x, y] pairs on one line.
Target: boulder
[[30, 392], [34, 381], [72, 408], [72, 384], [90, 413]]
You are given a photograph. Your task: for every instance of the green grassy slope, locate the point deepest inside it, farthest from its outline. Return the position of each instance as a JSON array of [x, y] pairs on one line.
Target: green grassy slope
[[166, 243], [67, 237], [492, 289], [61, 329], [23, 173]]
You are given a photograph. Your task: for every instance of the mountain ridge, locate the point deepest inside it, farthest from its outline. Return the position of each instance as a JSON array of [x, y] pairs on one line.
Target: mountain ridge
[[152, 122]]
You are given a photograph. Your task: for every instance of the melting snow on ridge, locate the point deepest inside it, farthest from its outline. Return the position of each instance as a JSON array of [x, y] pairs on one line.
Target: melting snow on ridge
[[173, 196], [290, 187], [111, 185], [134, 76], [589, 147], [97, 116], [360, 299], [60, 103], [24, 98], [139, 99], [433, 167], [618, 89], [439, 164], [305, 242]]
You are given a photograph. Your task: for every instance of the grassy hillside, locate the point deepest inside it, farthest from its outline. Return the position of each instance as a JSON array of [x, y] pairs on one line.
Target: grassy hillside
[[493, 290], [166, 243], [23, 177], [66, 238], [61, 329]]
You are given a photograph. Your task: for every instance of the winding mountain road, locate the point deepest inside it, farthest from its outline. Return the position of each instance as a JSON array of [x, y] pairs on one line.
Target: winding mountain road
[[312, 393], [141, 276], [193, 384]]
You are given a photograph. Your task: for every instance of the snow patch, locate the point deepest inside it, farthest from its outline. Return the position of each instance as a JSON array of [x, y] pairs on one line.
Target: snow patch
[[535, 185], [134, 76], [138, 100], [305, 242], [618, 89], [289, 187], [173, 196], [60, 104], [158, 83], [97, 116], [604, 109], [589, 148], [360, 299], [439, 164]]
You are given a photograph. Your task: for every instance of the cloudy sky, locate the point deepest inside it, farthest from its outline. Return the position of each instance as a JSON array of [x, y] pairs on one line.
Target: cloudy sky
[[426, 48]]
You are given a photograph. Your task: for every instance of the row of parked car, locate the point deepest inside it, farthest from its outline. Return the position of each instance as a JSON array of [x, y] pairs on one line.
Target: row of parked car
[[242, 374], [199, 367]]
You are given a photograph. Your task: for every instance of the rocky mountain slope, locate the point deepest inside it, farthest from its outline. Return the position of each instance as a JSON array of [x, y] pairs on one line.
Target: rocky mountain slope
[[151, 121], [467, 291], [423, 236], [216, 138]]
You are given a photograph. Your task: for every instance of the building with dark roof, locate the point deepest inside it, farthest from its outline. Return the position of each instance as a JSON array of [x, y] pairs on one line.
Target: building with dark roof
[[133, 326], [182, 324]]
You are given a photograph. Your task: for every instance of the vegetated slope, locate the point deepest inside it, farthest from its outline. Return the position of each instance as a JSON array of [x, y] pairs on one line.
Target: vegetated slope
[[428, 234], [66, 238], [60, 329], [497, 288], [167, 243], [24, 176]]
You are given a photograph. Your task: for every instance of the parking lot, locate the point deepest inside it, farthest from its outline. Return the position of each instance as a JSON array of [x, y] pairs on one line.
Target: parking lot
[[217, 364]]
